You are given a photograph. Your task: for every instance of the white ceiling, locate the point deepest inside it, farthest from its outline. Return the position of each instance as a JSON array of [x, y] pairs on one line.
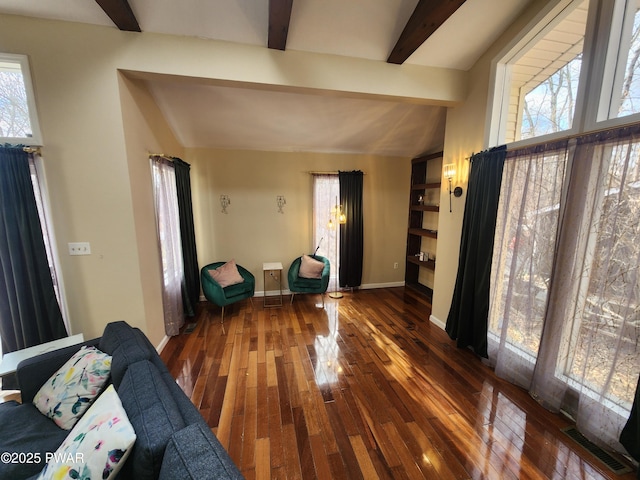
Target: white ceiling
[[200, 114]]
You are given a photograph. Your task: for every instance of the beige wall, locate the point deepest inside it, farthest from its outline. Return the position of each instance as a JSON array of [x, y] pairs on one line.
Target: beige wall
[[254, 232], [465, 134], [98, 128]]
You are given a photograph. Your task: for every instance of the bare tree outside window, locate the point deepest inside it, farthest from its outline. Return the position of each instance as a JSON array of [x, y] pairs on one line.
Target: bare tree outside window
[[549, 107], [14, 110]]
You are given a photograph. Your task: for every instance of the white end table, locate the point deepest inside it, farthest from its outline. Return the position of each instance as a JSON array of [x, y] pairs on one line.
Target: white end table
[[272, 276]]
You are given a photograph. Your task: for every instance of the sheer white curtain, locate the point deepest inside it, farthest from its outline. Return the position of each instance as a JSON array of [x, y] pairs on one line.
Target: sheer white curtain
[[524, 248], [168, 223], [326, 192], [565, 303]]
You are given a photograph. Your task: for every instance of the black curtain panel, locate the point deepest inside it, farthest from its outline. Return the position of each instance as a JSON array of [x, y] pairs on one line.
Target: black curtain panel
[[630, 435], [467, 319], [351, 233], [29, 310], [191, 287]]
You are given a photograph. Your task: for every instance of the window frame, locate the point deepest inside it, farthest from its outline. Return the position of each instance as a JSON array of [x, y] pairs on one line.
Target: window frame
[[36, 137]]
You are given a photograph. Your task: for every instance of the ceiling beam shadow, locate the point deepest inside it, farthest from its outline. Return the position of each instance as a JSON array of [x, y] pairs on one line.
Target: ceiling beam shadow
[[120, 13], [428, 16], [279, 17]]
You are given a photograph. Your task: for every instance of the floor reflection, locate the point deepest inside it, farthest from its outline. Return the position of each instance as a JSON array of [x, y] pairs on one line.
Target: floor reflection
[[327, 367]]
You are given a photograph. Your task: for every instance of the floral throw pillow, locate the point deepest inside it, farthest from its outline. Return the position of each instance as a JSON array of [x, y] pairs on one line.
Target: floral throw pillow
[[70, 391], [98, 445]]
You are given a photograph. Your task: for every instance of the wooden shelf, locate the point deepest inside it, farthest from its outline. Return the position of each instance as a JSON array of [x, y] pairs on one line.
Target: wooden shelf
[[425, 187], [423, 232], [425, 208], [430, 264]]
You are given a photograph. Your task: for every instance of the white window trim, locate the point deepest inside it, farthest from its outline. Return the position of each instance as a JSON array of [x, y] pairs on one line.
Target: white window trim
[[36, 137]]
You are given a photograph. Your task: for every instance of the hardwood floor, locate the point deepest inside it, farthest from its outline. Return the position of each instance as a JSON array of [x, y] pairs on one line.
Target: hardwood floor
[[365, 387]]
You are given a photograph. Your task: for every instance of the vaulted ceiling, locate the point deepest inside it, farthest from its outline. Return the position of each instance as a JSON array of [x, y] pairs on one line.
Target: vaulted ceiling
[[436, 33]]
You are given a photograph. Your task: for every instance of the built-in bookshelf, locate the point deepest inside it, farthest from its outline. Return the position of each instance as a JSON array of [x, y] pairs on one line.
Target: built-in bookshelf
[[422, 233]]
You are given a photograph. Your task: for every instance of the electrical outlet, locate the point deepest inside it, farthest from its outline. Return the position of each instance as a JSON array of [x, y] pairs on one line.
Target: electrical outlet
[[79, 248], [395, 265]]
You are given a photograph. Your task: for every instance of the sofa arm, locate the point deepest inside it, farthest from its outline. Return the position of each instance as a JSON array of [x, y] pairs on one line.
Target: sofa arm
[[195, 453], [33, 372]]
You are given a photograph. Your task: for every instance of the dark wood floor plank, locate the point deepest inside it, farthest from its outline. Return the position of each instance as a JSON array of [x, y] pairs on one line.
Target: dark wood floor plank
[[364, 387]]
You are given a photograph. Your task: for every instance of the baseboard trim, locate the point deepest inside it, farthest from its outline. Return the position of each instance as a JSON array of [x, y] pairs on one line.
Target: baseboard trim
[[366, 286], [437, 322], [163, 344], [371, 286]]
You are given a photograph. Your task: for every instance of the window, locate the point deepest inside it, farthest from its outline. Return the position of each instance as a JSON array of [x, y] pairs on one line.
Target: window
[[18, 119], [623, 69], [565, 288], [326, 192], [541, 79]]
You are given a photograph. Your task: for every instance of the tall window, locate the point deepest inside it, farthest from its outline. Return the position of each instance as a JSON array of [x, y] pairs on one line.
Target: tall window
[[18, 119], [326, 194], [565, 292], [168, 223]]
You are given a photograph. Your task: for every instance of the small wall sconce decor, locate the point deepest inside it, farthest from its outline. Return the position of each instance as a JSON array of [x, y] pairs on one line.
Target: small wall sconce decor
[[281, 202], [225, 201], [449, 171]]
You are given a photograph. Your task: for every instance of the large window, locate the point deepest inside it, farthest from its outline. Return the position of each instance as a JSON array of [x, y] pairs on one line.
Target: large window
[[565, 290], [18, 119], [541, 79]]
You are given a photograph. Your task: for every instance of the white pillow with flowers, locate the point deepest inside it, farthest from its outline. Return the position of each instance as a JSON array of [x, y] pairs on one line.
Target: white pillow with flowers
[[97, 446], [70, 391]]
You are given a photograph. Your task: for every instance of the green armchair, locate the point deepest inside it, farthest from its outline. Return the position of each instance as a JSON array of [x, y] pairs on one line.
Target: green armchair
[[222, 297], [298, 284]]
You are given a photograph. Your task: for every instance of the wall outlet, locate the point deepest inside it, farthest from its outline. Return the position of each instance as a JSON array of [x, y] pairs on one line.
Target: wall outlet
[[79, 248], [395, 265]]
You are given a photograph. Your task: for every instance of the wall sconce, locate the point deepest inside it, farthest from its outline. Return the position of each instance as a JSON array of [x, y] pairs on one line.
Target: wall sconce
[[449, 172], [225, 201], [281, 202]]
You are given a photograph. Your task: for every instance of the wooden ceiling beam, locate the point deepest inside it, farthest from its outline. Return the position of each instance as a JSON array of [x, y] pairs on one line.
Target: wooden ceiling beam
[[279, 18], [120, 13], [427, 17]]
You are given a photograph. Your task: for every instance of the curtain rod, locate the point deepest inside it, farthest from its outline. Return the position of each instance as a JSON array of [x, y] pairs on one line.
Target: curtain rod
[[162, 155], [328, 173], [36, 150]]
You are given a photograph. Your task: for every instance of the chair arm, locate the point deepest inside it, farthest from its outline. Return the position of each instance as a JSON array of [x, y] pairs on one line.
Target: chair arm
[[33, 372]]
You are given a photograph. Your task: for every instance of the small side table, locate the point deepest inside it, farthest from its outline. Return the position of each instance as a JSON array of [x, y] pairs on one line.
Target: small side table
[[272, 275]]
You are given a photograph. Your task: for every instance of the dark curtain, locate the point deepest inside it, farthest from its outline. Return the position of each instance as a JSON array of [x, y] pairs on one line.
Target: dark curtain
[[191, 286], [351, 233], [29, 310], [630, 435], [467, 319]]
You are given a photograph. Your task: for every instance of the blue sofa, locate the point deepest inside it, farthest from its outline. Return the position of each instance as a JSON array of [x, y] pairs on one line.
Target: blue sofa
[[173, 439]]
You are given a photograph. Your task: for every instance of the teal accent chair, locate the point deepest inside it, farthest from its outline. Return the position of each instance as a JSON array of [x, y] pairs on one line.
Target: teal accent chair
[[222, 297], [299, 284]]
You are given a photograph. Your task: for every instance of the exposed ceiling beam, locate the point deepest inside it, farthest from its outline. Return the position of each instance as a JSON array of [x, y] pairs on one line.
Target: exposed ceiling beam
[[121, 14], [279, 17], [426, 19]]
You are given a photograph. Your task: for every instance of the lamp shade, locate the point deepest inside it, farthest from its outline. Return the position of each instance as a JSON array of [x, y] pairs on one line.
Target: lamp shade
[[449, 170]]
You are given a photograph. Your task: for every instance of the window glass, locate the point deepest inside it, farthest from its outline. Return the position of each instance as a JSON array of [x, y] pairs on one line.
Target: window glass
[[626, 90], [17, 110], [544, 77]]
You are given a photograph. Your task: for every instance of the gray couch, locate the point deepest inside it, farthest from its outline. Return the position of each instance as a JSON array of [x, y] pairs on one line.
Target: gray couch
[[173, 439]]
